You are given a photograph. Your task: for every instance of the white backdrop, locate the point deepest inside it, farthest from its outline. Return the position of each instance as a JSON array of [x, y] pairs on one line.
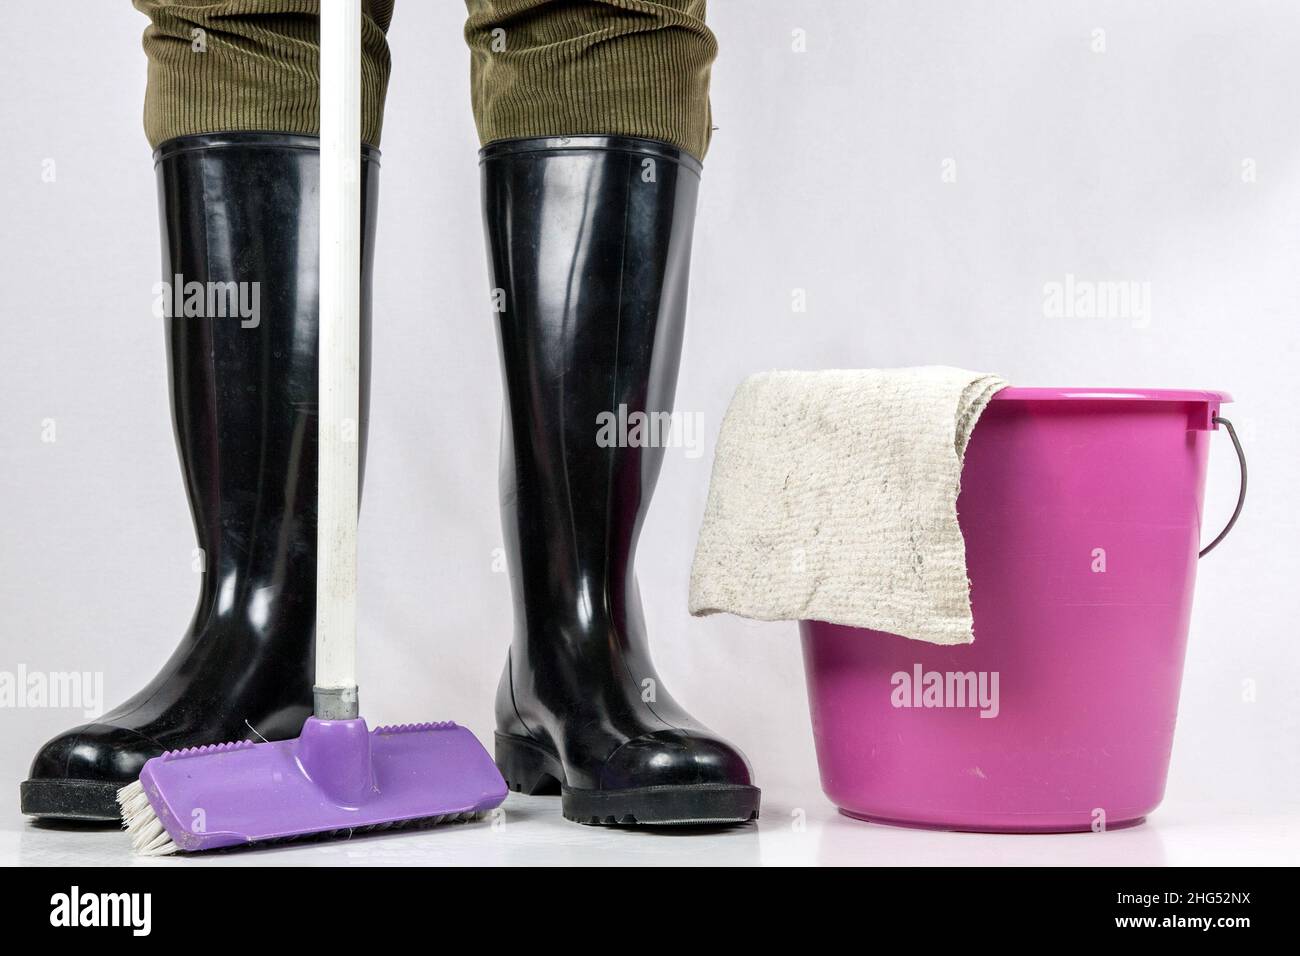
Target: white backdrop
[[920, 171]]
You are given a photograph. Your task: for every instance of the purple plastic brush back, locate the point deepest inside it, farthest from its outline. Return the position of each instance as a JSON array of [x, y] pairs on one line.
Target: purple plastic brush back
[[335, 776]]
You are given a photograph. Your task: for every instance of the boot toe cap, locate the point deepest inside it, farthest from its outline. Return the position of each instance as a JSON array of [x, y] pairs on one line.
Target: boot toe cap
[[674, 758], [100, 752]]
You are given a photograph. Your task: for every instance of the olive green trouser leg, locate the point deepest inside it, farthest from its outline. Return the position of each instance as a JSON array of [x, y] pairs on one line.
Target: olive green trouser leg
[[250, 65], [569, 67]]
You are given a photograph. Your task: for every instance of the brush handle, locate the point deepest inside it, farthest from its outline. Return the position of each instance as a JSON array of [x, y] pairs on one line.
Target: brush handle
[[340, 344]]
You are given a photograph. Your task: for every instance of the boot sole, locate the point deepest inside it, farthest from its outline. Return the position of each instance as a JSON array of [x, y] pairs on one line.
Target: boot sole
[[532, 769], [69, 799]]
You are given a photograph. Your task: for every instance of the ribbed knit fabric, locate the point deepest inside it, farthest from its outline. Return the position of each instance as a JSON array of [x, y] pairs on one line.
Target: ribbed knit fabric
[[568, 67], [250, 65]]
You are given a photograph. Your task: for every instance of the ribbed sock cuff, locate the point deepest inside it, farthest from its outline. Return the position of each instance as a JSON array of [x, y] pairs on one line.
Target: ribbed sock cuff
[[624, 67], [250, 65]]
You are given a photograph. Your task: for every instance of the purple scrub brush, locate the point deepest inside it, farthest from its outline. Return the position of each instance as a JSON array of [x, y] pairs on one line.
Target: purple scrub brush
[[338, 776]]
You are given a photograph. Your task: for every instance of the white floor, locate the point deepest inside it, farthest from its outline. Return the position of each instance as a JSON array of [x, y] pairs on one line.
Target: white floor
[[796, 829]]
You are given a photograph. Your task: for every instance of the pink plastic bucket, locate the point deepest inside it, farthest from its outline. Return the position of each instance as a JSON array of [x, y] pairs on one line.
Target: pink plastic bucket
[[1081, 510]]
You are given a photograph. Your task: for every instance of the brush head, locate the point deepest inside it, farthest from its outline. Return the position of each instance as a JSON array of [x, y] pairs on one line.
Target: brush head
[[336, 779], [149, 838]]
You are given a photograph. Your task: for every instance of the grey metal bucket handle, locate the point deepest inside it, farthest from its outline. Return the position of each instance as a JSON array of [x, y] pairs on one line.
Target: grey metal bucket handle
[[1241, 495]]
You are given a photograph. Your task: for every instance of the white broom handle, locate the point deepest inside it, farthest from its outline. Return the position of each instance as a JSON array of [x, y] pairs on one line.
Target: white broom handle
[[340, 345]]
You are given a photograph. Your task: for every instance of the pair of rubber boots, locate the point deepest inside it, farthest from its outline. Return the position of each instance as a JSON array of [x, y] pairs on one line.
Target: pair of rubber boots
[[589, 247]]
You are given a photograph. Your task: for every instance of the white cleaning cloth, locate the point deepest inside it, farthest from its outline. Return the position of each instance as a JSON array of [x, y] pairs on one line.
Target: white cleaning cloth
[[834, 498]]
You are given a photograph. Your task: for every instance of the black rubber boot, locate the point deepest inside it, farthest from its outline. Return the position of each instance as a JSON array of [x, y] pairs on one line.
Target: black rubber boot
[[235, 207], [589, 249]]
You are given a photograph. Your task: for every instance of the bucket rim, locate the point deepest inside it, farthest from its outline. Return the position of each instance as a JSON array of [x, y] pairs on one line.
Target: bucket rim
[[1018, 394]]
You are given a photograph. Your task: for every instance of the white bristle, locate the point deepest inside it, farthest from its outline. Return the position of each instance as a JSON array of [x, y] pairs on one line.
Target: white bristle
[[142, 824]]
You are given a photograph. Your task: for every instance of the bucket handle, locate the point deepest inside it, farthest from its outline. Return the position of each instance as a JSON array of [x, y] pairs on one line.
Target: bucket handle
[[1241, 495]]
